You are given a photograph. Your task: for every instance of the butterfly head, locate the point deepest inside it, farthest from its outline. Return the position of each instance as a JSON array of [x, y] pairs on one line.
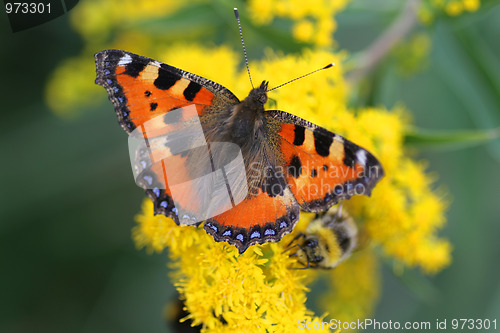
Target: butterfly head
[[258, 95]]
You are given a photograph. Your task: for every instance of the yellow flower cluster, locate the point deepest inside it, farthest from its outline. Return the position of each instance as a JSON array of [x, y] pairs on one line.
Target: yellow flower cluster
[[430, 8], [457, 7], [404, 212], [312, 20], [225, 291], [71, 85]]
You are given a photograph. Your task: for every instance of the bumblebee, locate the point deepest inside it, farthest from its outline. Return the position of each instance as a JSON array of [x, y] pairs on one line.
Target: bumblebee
[[328, 240]]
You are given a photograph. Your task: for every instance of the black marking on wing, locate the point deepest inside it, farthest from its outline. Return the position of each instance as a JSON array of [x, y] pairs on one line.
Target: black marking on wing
[[314, 173], [135, 67], [273, 183], [350, 150], [191, 90], [166, 79], [322, 142], [295, 167], [299, 138]]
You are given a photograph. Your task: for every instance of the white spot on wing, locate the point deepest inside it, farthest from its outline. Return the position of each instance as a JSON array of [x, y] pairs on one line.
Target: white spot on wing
[[125, 60], [361, 156]]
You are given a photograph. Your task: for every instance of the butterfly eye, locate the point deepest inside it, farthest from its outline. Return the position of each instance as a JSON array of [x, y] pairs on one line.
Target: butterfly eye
[[263, 98]]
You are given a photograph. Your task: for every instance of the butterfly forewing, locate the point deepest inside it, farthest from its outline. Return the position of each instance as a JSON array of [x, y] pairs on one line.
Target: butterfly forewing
[[323, 168], [142, 88]]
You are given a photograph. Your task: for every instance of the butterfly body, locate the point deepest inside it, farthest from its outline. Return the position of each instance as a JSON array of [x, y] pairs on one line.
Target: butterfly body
[[289, 163], [246, 125]]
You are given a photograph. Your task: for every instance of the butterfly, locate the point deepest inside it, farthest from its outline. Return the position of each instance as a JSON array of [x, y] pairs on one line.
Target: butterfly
[[329, 239], [289, 163]]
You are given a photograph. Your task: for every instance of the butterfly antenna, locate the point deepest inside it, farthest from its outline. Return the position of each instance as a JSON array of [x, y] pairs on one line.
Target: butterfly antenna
[[300, 77], [237, 14]]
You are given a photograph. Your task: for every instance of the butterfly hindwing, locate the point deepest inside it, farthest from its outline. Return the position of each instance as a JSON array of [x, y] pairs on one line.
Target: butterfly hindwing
[[323, 168], [258, 219]]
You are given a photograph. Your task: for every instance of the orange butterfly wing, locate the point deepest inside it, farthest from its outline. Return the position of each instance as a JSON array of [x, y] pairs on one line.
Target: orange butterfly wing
[[142, 88], [264, 217], [323, 168]]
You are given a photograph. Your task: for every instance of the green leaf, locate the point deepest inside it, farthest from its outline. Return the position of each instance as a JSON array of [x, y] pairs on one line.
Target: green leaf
[[460, 74], [420, 138]]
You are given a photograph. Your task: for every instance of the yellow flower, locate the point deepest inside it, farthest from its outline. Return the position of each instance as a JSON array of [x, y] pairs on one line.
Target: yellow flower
[[312, 20], [471, 5], [430, 8], [71, 85], [457, 7], [304, 30], [454, 8]]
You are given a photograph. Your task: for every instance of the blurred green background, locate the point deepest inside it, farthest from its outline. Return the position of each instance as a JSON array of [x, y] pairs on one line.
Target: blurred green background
[[68, 197]]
